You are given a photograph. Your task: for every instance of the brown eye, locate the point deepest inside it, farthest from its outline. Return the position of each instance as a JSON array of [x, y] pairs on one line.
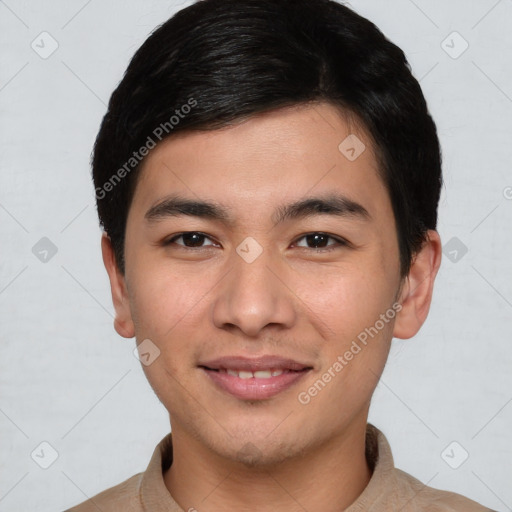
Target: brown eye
[[320, 241], [190, 239]]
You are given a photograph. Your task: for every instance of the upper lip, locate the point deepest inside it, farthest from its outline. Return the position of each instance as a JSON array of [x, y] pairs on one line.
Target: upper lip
[[254, 364]]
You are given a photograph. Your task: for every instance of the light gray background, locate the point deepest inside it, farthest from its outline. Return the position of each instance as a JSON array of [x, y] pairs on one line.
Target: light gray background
[[68, 379]]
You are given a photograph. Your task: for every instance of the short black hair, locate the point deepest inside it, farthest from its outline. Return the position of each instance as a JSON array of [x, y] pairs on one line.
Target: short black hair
[[216, 62]]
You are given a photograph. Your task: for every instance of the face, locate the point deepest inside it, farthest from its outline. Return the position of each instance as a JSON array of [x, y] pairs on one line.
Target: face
[[259, 301]]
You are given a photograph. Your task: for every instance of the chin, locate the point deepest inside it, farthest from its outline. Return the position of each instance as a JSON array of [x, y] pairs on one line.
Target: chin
[[264, 454], [261, 447]]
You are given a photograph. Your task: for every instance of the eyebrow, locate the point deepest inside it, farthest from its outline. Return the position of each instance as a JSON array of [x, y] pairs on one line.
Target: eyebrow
[[330, 204]]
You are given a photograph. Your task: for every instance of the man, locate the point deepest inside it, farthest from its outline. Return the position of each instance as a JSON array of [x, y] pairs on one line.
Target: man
[[267, 176]]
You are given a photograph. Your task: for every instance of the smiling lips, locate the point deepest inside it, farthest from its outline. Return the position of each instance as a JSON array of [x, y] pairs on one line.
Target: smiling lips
[[254, 379]]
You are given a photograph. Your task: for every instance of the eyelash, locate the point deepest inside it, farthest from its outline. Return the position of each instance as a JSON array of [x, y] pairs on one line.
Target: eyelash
[[340, 241]]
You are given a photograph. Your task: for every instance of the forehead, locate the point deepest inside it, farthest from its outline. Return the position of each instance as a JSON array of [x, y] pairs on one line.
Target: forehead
[[254, 164]]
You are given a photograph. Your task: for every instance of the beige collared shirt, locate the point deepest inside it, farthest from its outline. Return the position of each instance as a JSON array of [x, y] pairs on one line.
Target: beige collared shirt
[[389, 489]]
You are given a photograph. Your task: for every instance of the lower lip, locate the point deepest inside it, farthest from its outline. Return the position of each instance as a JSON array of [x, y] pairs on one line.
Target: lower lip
[[254, 388]]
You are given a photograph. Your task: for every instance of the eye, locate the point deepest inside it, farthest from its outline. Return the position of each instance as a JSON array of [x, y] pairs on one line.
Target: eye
[[319, 239], [191, 240]]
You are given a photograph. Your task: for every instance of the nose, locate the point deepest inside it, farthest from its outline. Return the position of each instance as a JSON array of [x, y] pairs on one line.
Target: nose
[[254, 295]]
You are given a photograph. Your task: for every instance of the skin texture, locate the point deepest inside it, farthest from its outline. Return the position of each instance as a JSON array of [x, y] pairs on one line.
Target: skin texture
[[293, 300]]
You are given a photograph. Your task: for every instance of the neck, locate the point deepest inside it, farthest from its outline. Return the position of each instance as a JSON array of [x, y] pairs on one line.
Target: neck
[[329, 477]]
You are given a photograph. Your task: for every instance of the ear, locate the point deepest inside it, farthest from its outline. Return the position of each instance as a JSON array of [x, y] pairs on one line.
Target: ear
[[416, 293], [123, 323]]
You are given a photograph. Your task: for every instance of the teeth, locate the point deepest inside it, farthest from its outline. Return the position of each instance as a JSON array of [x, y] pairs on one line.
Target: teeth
[[259, 374], [262, 374]]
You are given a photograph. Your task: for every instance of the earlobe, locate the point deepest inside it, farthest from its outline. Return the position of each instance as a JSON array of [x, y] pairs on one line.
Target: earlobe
[[416, 293], [123, 323]]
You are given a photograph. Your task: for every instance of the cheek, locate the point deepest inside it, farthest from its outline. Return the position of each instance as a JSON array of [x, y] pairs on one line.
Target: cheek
[[171, 308], [166, 307], [344, 300], [356, 345], [350, 303], [164, 301]]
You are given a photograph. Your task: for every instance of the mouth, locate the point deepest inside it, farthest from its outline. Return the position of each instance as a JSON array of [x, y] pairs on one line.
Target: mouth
[[254, 379]]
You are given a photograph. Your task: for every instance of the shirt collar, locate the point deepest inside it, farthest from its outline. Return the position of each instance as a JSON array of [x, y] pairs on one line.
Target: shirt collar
[[155, 497]]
